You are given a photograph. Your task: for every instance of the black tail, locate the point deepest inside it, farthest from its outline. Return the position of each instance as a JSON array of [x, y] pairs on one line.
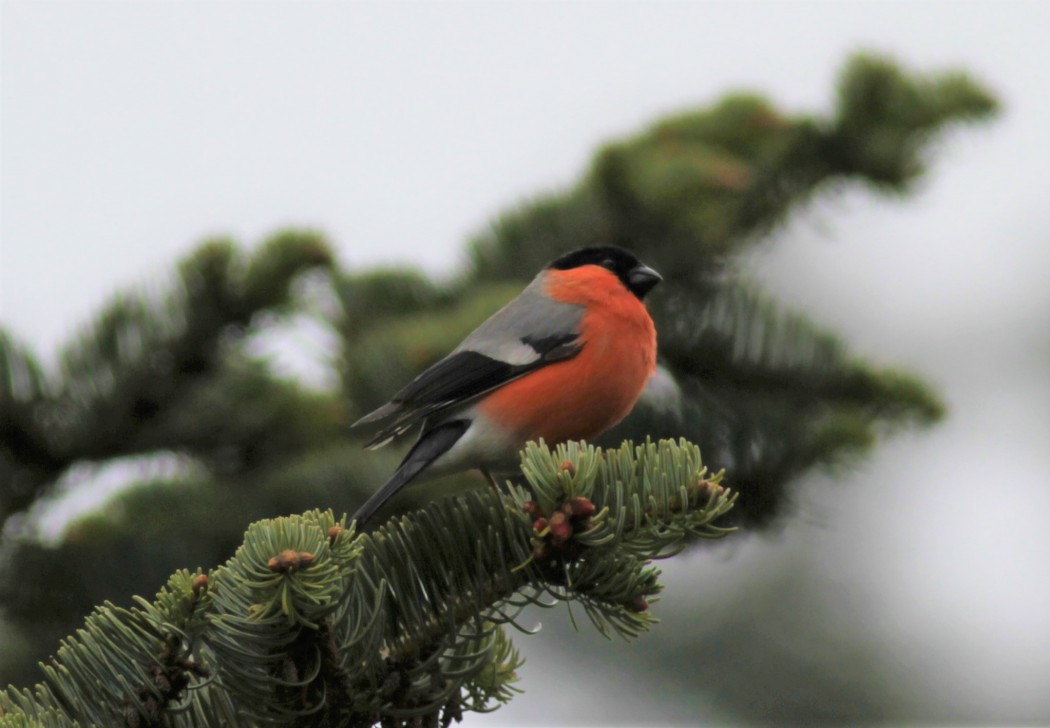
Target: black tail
[[430, 445]]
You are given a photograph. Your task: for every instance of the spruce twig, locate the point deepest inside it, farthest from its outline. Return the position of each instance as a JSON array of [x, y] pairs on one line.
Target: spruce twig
[[310, 623]]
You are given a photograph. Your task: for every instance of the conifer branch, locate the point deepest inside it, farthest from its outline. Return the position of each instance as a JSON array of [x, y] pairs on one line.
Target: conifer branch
[[698, 186], [311, 623], [122, 383]]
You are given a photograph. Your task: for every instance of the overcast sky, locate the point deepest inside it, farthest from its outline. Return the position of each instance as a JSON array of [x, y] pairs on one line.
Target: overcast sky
[[132, 130]]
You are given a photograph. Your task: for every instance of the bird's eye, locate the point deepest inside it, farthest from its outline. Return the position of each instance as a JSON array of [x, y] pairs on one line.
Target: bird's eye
[[608, 263]]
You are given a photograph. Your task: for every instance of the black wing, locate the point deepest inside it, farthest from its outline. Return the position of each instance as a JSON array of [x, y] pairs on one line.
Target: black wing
[[460, 377]]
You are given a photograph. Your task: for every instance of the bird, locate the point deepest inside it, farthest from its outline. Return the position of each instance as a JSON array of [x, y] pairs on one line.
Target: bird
[[565, 360]]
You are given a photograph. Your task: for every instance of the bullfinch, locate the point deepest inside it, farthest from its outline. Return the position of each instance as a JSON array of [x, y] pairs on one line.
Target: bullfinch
[[565, 360]]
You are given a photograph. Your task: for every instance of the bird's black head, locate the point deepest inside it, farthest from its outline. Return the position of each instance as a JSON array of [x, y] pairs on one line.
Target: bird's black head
[[637, 277]]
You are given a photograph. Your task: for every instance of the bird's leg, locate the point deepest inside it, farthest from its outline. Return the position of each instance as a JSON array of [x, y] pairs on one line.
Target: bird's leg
[[492, 481]]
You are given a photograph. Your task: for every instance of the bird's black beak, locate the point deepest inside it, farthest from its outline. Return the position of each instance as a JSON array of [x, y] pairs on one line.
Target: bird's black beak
[[642, 279]]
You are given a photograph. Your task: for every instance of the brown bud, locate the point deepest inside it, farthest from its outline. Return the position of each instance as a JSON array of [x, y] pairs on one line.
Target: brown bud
[[582, 507], [558, 517], [540, 553], [638, 604], [531, 507], [200, 583], [195, 667], [567, 466], [539, 524], [289, 560], [333, 534], [560, 531]]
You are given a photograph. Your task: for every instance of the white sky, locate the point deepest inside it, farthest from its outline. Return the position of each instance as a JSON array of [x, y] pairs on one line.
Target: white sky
[[131, 130]]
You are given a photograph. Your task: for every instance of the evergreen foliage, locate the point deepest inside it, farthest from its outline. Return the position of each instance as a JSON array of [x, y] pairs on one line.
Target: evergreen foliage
[[311, 623], [764, 393], [154, 375]]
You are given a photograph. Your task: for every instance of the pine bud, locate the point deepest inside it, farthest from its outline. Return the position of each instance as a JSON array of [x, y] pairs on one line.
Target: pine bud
[[567, 466], [200, 583], [709, 489], [532, 508], [539, 524], [289, 560], [638, 604], [561, 529], [333, 534], [581, 507], [560, 536]]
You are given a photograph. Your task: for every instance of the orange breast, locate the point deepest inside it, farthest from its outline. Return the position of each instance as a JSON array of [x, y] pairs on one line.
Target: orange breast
[[582, 397]]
